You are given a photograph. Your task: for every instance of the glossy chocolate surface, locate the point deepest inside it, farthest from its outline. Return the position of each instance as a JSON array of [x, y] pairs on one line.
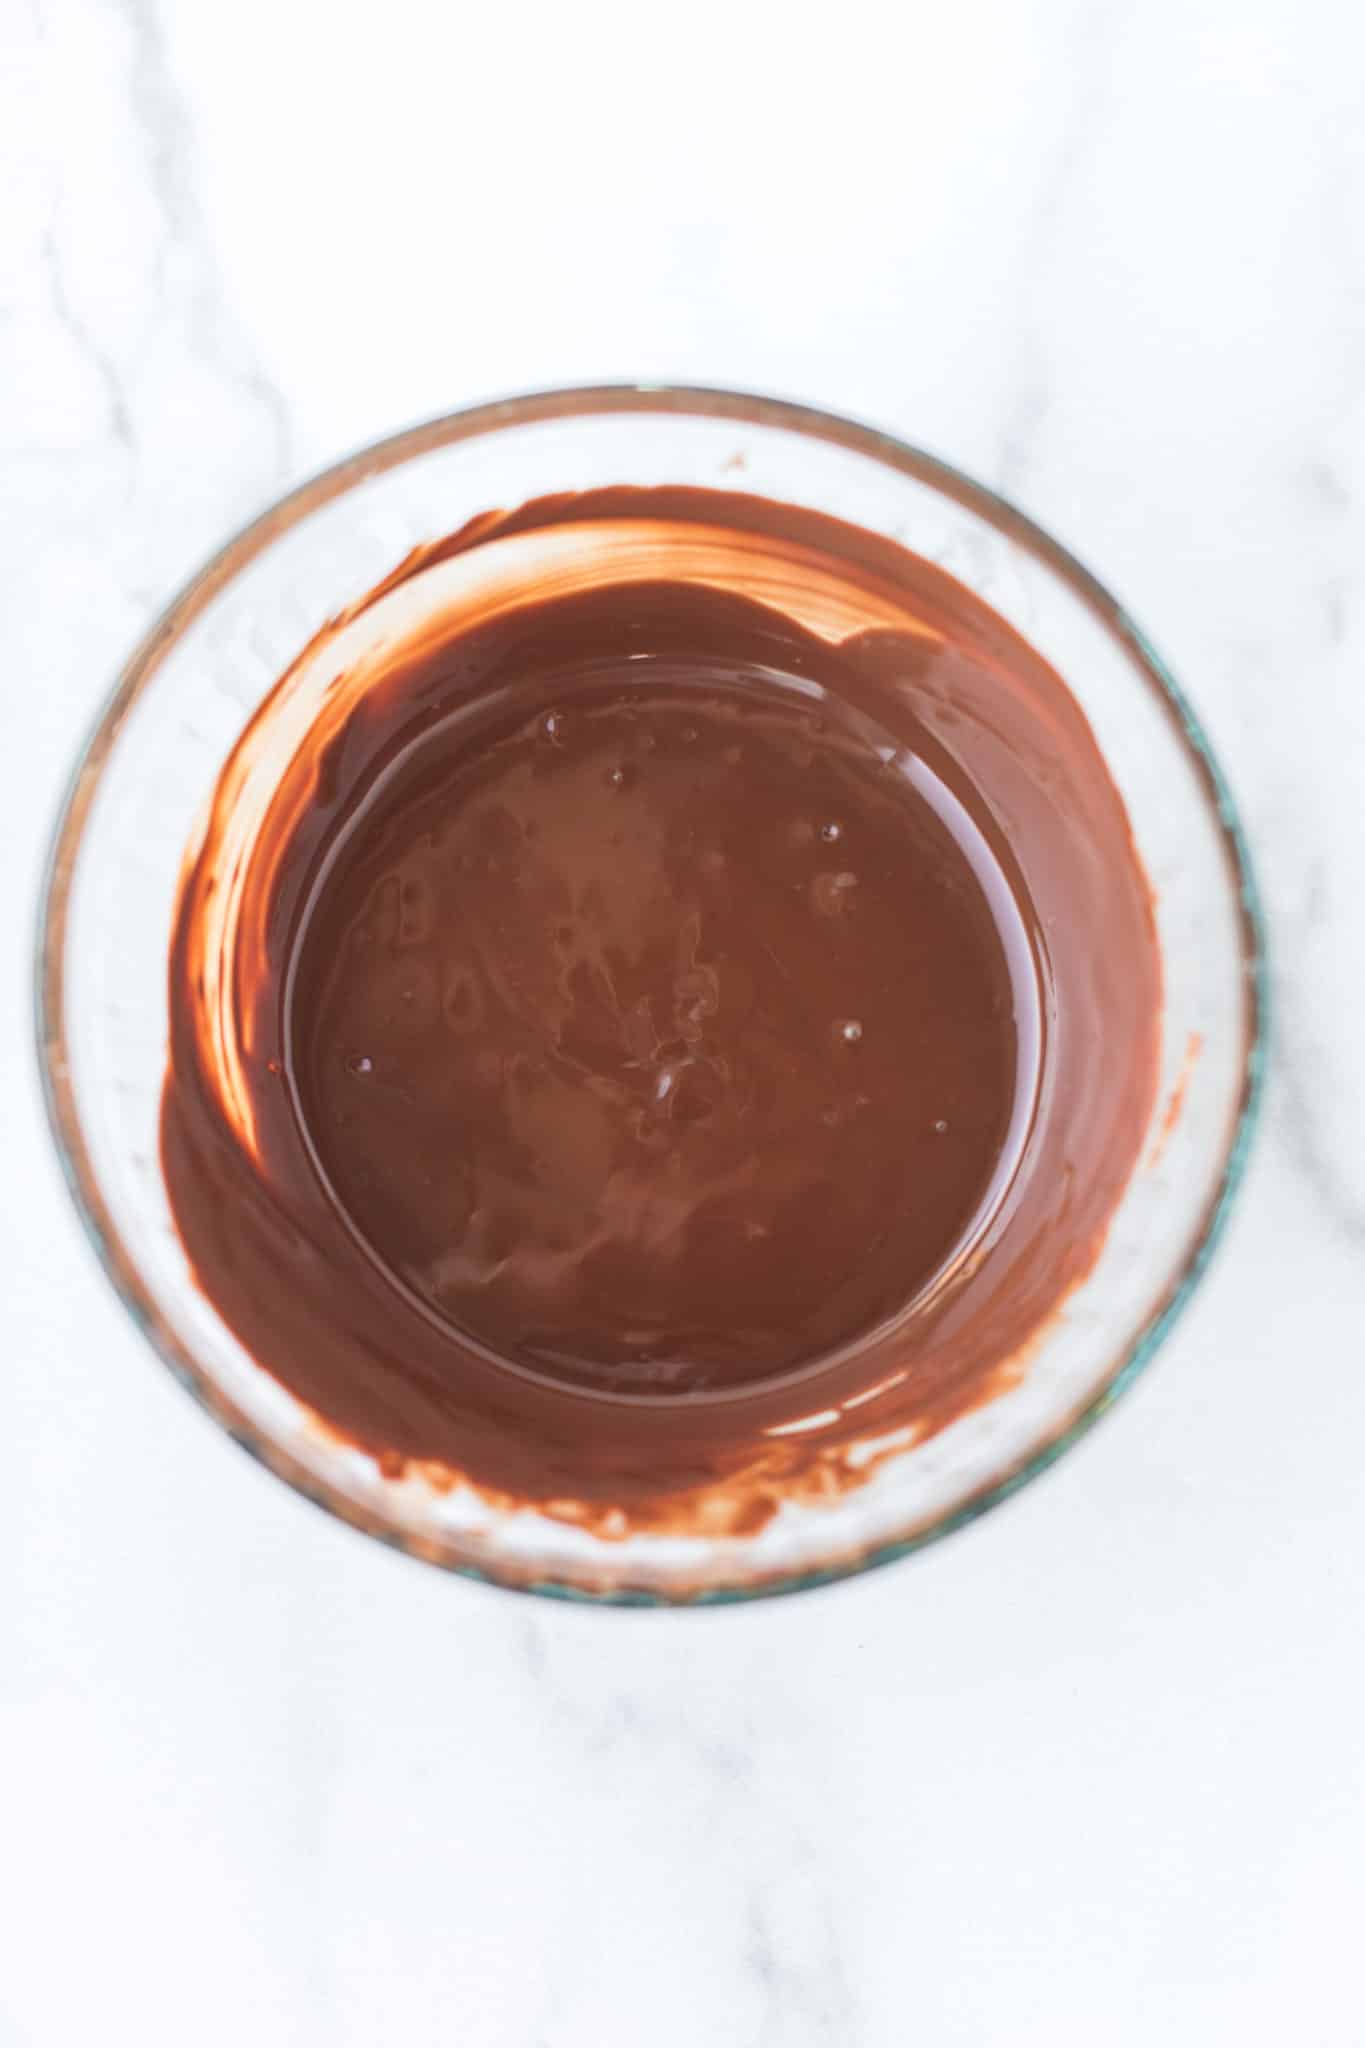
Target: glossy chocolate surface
[[692, 977]]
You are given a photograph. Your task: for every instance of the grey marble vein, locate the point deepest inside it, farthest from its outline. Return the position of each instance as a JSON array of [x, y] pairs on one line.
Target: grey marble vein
[[806, 1993], [1028, 398], [640, 1716], [163, 122], [87, 344], [1299, 1111], [1337, 1201]]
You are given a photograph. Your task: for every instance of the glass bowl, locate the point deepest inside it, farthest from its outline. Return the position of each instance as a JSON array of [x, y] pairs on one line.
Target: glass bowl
[[181, 702]]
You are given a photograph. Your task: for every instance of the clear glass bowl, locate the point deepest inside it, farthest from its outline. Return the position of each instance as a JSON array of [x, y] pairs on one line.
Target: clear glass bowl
[[184, 697]]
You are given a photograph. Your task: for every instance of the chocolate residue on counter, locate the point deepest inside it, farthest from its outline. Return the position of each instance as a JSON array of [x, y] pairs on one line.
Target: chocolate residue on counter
[[665, 995]]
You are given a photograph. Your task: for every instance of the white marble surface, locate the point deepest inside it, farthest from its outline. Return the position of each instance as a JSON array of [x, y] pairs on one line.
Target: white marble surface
[[1093, 1771]]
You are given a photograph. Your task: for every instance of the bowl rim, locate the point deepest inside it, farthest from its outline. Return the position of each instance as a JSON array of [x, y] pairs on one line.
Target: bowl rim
[[475, 421]]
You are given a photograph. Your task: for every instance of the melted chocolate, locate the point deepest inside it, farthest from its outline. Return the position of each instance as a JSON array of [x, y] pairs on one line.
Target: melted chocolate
[[642, 1016]]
